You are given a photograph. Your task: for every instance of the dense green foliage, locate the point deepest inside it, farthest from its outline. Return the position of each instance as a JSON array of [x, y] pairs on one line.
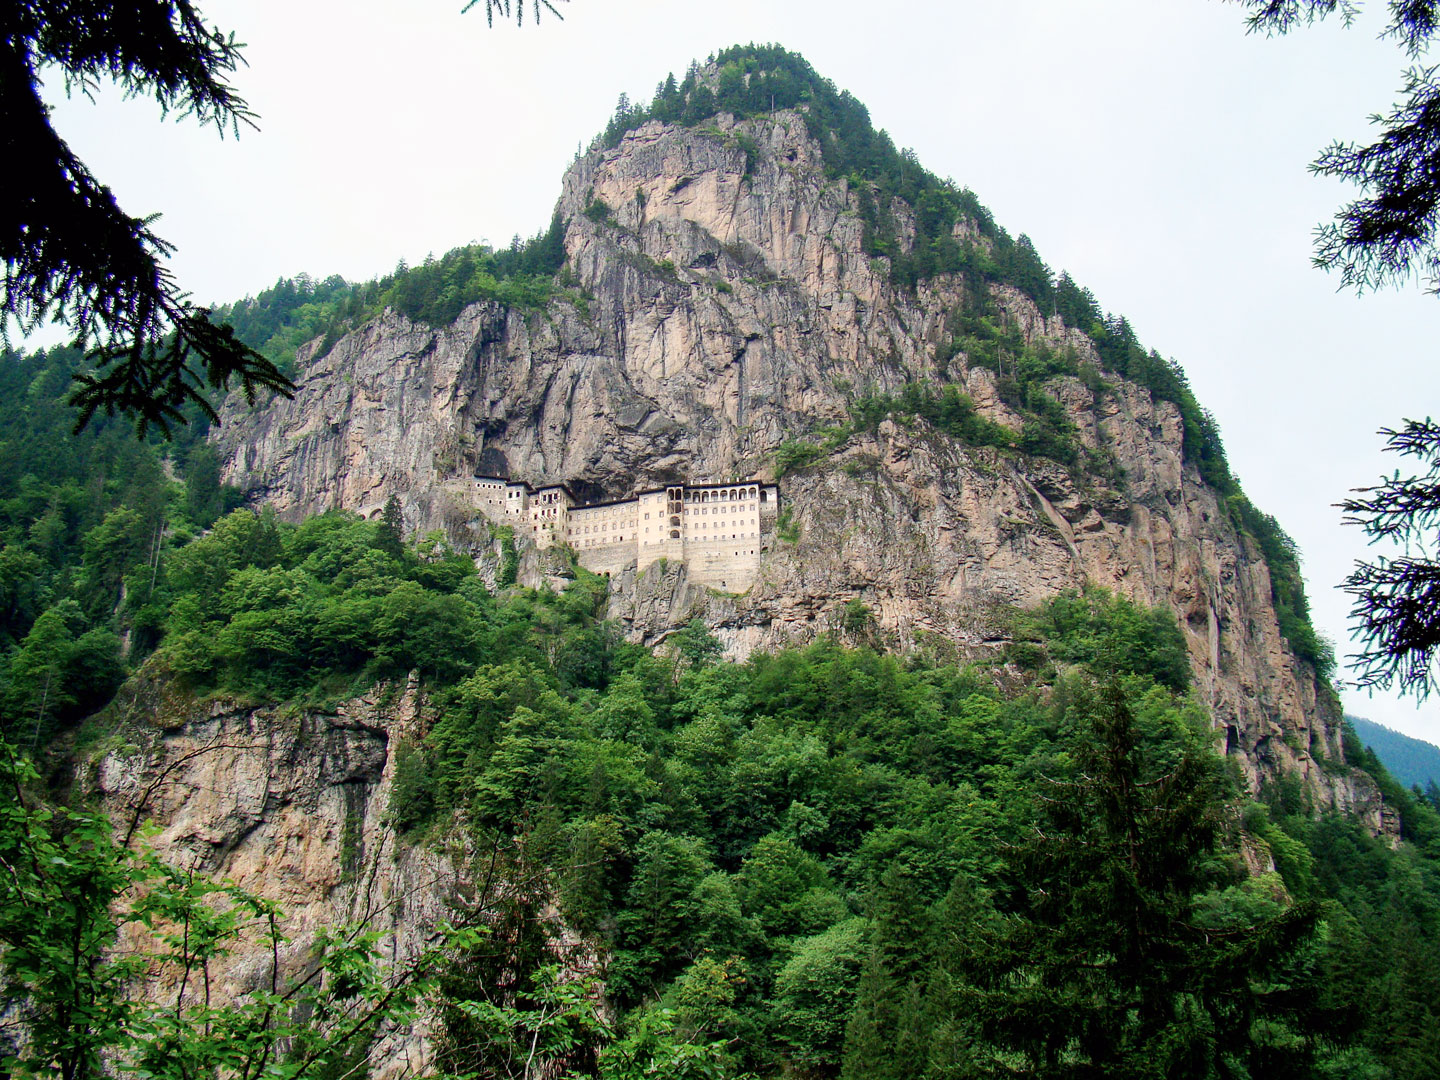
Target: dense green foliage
[[1411, 761], [92, 1009], [783, 855], [72, 257], [85, 523], [1046, 431], [1112, 943], [298, 310], [1381, 905], [824, 861], [781, 859]]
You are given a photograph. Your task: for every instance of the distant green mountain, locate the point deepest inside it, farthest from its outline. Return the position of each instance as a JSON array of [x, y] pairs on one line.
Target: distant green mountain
[[1411, 761]]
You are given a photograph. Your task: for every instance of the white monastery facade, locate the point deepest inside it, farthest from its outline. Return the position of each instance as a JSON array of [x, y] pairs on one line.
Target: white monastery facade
[[714, 529]]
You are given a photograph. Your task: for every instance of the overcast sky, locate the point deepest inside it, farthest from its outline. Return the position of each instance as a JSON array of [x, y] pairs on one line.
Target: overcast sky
[[1151, 149]]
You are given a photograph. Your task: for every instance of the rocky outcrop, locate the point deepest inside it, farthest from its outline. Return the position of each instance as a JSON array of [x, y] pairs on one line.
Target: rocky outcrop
[[289, 804], [725, 304]]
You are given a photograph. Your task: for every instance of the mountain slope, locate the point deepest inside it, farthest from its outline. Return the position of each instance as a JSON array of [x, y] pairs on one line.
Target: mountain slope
[[741, 299], [1009, 548], [1411, 761]]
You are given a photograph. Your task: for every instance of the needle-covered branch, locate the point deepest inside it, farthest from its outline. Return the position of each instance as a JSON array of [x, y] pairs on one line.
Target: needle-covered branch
[[1388, 236], [1396, 610], [72, 255]]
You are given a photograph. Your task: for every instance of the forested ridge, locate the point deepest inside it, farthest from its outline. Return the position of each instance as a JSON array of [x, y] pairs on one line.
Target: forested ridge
[[953, 234], [826, 861], [296, 311], [1411, 761]]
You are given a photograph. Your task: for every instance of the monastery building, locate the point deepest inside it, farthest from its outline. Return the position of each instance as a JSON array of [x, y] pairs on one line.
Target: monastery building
[[714, 529]]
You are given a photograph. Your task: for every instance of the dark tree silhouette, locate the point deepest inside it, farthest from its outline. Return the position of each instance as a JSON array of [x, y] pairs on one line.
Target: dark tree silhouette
[[1107, 961], [72, 255], [1388, 235], [1397, 600], [503, 9]]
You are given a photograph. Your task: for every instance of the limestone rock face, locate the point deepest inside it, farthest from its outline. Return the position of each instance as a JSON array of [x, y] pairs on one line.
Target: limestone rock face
[[728, 306], [290, 805]]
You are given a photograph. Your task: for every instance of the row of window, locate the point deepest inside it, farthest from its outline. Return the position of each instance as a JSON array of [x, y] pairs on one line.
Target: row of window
[[601, 528], [607, 526], [601, 541], [748, 508], [727, 495]]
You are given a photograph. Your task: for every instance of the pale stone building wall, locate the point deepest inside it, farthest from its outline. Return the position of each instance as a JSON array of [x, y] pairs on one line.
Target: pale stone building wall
[[722, 533], [716, 530], [546, 514], [490, 492], [605, 535]]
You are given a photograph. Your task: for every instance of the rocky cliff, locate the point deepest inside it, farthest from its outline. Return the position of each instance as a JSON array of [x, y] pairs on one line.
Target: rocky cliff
[[289, 804], [725, 305]]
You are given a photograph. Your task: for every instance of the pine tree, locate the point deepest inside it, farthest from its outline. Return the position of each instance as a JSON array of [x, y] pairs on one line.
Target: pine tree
[[390, 536], [872, 1024], [1117, 955], [1397, 600], [887, 1035]]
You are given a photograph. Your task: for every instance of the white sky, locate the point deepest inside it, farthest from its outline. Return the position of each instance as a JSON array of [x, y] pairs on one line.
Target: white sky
[[1153, 150]]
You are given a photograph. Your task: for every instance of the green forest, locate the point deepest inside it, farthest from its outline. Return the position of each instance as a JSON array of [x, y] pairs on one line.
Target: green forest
[[754, 80], [1411, 761], [828, 861]]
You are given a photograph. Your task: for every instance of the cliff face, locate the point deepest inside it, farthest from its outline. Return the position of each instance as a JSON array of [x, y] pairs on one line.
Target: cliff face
[[290, 805], [729, 306]]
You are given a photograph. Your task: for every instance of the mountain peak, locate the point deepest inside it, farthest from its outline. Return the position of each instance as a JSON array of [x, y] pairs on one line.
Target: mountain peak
[[781, 295]]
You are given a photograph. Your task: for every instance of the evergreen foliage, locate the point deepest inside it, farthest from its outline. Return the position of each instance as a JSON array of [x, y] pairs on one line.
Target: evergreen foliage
[[1413, 762], [86, 523], [295, 311], [89, 1009], [1397, 598], [1118, 952], [71, 255], [787, 860], [947, 410], [1386, 236], [1104, 632], [823, 861]]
